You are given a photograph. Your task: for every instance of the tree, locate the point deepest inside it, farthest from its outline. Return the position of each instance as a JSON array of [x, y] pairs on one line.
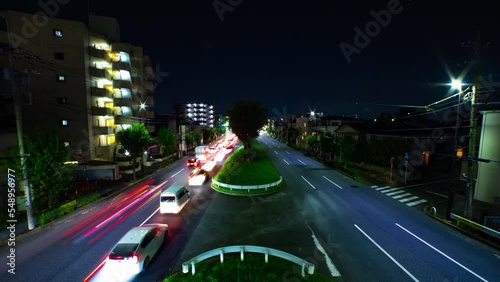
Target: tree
[[246, 118], [347, 147], [167, 140], [135, 140], [189, 137], [197, 138], [48, 175]]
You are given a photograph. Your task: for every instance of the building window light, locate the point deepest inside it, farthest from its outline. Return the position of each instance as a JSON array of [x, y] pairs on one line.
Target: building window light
[[58, 33], [64, 122], [61, 78]]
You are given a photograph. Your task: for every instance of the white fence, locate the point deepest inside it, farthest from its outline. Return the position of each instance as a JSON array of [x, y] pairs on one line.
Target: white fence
[[248, 187], [249, 249]]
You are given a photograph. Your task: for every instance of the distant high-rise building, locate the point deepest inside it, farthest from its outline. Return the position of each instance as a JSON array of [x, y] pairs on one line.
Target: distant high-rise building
[[195, 114], [83, 81]]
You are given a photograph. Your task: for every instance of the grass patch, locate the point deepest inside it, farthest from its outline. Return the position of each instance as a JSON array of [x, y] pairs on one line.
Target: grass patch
[[252, 269], [237, 170], [251, 192]]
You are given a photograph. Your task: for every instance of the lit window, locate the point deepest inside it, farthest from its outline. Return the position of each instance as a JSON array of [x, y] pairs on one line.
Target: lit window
[[58, 33], [66, 144], [61, 78], [64, 122]]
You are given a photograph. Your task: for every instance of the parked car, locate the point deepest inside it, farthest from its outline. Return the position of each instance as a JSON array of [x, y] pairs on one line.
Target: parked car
[[135, 250], [194, 162]]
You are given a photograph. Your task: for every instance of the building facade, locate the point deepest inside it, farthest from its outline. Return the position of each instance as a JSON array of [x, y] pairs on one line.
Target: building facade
[[83, 81], [195, 114]]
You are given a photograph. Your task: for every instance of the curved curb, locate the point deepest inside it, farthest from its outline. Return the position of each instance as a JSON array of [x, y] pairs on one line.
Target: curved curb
[[249, 194]]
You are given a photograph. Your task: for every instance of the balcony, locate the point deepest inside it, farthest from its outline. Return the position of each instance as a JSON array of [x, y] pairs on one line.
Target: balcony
[[123, 102], [121, 47], [137, 80], [100, 92], [137, 64], [101, 54], [120, 119], [101, 73], [149, 73], [121, 66], [103, 130], [102, 111], [122, 84], [148, 85], [150, 114]]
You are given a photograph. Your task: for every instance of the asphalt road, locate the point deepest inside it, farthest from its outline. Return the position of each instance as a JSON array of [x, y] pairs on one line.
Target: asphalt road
[[341, 226]]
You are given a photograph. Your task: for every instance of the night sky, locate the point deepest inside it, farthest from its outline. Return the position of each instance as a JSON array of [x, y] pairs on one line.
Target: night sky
[[287, 54]]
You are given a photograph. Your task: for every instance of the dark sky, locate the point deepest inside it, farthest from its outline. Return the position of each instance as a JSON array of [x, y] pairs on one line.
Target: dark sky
[[287, 53]]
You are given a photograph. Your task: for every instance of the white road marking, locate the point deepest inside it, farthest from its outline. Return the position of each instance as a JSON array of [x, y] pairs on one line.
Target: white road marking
[[387, 254], [401, 196], [408, 199], [301, 162], [287, 152], [390, 190], [149, 216], [395, 193], [421, 201], [443, 254], [177, 173], [332, 182], [286, 162], [381, 188], [331, 267], [308, 182], [275, 152], [373, 186]]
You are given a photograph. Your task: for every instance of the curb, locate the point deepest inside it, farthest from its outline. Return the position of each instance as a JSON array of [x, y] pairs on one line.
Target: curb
[[248, 195], [486, 242]]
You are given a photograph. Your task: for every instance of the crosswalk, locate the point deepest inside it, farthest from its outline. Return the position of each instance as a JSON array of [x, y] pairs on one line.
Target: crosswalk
[[400, 194]]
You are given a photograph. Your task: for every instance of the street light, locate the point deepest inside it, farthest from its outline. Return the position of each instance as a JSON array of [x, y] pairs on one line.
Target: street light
[[313, 118], [455, 84]]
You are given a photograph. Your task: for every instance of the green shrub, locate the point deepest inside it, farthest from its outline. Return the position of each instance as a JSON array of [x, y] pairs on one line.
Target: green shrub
[[87, 199], [69, 207]]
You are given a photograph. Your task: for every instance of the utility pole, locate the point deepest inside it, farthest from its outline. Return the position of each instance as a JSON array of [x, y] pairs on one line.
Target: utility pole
[[472, 158], [20, 137]]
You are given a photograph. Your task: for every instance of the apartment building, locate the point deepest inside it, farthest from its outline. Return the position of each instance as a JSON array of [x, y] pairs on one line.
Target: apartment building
[[201, 114], [83, 81]]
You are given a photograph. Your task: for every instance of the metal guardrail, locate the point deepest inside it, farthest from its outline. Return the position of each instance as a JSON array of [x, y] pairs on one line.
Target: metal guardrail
[[248, 187], [476, 226], [250, 249]]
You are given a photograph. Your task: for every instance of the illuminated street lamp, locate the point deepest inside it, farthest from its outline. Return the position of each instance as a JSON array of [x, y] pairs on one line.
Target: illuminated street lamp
[[455, 84]]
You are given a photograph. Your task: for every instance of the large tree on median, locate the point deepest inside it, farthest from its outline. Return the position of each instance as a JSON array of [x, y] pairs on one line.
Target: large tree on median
[[246, 117], [135, 140]]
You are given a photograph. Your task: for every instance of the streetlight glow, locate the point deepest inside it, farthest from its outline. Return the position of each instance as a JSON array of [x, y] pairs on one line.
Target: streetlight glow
[[456, 84]]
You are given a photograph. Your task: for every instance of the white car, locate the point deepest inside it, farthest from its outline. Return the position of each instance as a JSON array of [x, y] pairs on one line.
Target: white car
[[198, 177], [135, 250]]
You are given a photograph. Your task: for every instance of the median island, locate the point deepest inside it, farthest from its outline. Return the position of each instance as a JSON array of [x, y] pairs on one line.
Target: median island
[[252, 269], [248, 172]]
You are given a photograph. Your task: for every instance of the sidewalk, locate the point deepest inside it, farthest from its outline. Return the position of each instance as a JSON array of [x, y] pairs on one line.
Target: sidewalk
[[106, 189]]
